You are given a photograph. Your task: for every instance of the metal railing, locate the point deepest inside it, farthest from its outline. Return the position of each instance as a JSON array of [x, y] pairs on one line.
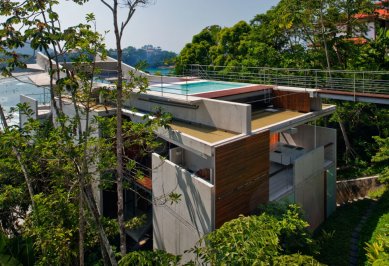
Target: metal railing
[[42, 98], [166, 88], [374, 82]]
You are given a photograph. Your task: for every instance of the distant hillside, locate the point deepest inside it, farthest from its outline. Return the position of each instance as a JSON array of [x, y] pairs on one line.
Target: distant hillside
[[153, 56], [27, 51]]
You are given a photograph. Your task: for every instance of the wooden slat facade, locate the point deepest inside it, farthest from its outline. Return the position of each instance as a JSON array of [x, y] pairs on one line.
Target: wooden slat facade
[[296, 101], [241, 177]]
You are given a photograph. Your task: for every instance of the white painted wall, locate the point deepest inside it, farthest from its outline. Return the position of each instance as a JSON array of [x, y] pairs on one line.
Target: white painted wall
[[178, 226], [370, 34]]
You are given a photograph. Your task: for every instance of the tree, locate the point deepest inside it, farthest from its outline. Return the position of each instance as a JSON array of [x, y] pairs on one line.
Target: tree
[[149, 258], [382, 158], [131, 6], [41, 27], [265, 238], [200, 50]]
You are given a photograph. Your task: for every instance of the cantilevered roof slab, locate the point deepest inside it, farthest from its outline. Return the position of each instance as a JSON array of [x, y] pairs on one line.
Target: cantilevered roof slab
[[205, 133], [268, 117], [279, 119]]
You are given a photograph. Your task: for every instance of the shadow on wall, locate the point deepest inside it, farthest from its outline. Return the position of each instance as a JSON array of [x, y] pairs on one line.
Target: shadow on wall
[[194, 203]]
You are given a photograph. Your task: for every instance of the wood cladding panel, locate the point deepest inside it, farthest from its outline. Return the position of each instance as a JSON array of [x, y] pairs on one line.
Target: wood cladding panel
[[241, 176], [296, 101]]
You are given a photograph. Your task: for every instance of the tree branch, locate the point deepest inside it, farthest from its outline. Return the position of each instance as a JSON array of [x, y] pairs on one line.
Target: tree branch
[[107, 5]]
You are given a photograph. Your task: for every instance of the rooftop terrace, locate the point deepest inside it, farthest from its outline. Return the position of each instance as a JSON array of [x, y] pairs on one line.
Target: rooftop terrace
[[202, 132]]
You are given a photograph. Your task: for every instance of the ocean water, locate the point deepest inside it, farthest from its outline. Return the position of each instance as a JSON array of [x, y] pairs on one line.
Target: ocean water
[[10, 91]]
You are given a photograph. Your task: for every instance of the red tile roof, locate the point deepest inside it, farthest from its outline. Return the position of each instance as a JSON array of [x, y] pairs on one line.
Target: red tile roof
[[356, 40], [382, 13], [364, 16]]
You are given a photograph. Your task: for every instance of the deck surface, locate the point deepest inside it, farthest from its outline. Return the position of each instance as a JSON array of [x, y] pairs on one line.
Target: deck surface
[[206, 133], [266, 118]]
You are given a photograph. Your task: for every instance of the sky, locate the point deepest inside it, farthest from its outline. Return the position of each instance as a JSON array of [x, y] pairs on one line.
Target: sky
[[169, 24]]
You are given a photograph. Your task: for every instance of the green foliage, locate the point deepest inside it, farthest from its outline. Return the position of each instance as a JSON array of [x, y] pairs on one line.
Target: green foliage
[[296, 260], [378, 251], [378, 193], [334, 236], [258, 240], [7, 256], [382, 157], [57, 240], [362, 121], [291, 34], [375, 234], [149, 258]]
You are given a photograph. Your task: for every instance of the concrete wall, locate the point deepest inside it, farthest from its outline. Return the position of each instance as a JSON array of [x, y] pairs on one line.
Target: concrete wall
[[33, 104], [309, 185], [229, 116], [42, 60], [178, 226], [280, 184], [305, 137], [194, 162], [190, 160]]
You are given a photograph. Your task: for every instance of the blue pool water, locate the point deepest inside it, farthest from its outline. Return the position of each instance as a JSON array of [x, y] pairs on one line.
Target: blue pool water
[[196, 87]]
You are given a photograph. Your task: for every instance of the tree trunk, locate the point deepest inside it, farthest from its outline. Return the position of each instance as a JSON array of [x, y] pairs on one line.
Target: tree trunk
[[324, 38], [89, 199], [349, 148], [119, 136], [19, 158], [81, 229]]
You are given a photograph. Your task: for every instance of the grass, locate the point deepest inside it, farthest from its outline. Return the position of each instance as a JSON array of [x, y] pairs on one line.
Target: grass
[[376, 224], [334, 236]]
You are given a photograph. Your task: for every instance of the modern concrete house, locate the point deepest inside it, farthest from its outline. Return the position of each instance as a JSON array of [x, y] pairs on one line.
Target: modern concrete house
[[231, 151], [229, 148]]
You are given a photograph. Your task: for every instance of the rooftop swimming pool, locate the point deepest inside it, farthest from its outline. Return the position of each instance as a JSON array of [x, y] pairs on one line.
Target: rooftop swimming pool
[[196, 87]]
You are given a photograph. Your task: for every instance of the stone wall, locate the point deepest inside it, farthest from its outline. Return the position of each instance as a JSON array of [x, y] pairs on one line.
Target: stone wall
[[347, 190]]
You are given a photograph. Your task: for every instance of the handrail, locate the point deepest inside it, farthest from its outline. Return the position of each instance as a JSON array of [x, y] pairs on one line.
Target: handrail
[[356, 81], [292, 69]]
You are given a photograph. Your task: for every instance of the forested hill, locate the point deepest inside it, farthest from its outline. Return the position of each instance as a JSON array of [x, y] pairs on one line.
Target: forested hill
[[309, 34], [153, 56], [295, 34]]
